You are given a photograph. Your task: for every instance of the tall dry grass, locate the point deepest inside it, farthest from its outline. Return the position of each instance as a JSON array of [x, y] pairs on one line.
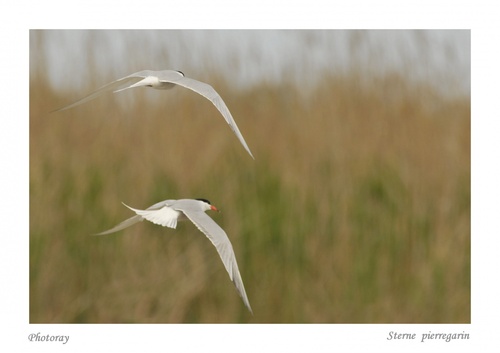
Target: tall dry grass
[[355, 210]]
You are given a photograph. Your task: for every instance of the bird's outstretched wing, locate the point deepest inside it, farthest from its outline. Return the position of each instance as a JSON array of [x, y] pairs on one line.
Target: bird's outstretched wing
[[209, 93], [113, 86], [125, 224], [165, 216], [135, 219], [221, 242]]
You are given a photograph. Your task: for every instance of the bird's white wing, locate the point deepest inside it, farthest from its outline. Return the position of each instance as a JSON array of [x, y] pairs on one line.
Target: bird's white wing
[[209, 93], [126, 223], [113, 86], [164, 216], [221, 242], [135, 219]]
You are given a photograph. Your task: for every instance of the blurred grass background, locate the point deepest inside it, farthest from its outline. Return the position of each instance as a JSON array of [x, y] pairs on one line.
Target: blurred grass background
[[355, 210]]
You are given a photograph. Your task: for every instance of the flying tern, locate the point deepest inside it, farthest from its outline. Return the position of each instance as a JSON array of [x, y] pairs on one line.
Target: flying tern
[[166, 79], [167, 213]]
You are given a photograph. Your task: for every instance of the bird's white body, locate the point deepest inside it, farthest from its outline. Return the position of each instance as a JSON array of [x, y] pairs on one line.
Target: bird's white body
[[167, 213], [167, 79]]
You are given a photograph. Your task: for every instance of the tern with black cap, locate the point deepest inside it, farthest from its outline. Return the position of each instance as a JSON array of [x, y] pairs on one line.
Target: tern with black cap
[[167, 213], [166, 79]]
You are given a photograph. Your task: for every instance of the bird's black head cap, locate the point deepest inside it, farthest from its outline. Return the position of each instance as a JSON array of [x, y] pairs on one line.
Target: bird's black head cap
[[204, 200]]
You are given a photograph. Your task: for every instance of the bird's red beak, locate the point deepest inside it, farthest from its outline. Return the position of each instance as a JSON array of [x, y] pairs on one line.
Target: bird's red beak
[[213, 208]]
